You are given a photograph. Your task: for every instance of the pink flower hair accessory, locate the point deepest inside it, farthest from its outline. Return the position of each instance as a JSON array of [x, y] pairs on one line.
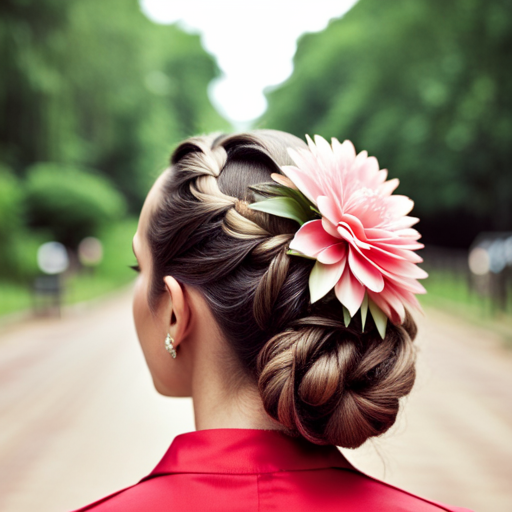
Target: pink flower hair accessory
[[358, 232]]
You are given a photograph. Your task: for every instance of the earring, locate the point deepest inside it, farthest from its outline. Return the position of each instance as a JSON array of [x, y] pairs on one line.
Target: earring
[[169, 346]]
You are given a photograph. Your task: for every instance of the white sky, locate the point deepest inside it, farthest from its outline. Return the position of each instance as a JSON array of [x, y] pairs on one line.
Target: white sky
[[253, 42]]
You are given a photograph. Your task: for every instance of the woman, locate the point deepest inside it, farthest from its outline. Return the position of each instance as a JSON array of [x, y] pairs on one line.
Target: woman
[[273, 281]]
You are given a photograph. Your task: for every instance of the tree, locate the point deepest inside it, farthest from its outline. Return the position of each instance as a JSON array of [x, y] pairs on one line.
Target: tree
[[97, 84], [424, 86]]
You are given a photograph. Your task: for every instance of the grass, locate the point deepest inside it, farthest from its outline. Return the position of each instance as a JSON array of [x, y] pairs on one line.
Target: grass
[[446, 287], [14, 297], [452, 293], [109, 275]]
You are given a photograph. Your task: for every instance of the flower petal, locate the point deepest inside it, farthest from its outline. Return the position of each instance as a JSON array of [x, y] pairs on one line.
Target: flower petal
[[364, 271], [369, 167], [330, 209], [312, 238], [283, 180], [346, 152], [375, 234], [395, 303], [333, 254], [397, 206], [330, 228], [304, 183], [406, 254], [345, 232], [323, 278], [407, 298], [381, 177], [398, 266], [349, 291], [408, 233], [356, 226], [379, 300], [311, 145], [402, 223], [388, 187], [406, 284]]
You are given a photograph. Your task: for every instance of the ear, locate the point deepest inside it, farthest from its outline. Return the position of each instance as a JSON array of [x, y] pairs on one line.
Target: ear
[[178, 310]]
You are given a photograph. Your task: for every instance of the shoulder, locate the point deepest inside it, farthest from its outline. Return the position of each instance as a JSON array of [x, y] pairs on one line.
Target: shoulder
[[147, 495], [395, 495], [342, 489], [327, 490], [390, 496], [191, 492]]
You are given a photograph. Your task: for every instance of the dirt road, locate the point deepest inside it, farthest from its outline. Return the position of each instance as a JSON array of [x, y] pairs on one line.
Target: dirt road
[[79, 417]]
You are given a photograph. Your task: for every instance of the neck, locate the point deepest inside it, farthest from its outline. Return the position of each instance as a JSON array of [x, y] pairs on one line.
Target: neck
[[223, 396], [227, 403]]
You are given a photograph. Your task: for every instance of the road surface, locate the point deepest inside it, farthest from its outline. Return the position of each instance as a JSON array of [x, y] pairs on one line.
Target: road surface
[[79, 417]]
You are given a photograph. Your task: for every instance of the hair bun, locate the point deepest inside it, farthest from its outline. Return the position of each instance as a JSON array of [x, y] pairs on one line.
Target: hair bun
[[334, 385]]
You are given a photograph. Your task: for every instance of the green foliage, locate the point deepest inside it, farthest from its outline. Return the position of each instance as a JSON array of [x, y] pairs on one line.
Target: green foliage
[[18, 245], [425, 86], [282, 207], [15, 262], [71, 203], [97, 84], [21, 262], [89, 85], [283, 201], [11, 204], [11, 208], [117, 250]]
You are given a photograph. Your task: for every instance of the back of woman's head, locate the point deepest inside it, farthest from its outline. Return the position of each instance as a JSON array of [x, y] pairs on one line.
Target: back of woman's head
[[327, 382]]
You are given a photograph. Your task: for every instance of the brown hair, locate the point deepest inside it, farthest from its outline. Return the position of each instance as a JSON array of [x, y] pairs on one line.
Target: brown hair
[[320, 379]]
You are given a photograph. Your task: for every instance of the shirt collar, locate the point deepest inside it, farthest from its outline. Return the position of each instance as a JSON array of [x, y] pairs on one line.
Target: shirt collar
[[245, 451]]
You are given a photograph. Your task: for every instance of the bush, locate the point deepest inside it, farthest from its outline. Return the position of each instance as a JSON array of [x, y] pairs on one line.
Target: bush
[[14, 262], [11, 205], [72, 203], [18, 246]]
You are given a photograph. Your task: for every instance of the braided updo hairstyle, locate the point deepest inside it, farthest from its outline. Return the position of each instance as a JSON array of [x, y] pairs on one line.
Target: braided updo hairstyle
[[326, 382]]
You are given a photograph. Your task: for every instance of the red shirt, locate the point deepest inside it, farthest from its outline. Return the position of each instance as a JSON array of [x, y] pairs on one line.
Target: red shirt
[[258, 470]]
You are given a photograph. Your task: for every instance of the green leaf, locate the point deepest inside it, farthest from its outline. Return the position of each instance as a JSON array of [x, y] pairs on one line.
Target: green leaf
[[379, 318], [346, 316], [291, 252], [364, 311], [265, 190], [259, 197], [268, 189], [282, 207], [304, 202]]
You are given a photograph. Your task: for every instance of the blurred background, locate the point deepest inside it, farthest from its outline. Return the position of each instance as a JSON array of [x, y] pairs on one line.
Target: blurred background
[[95, 94]]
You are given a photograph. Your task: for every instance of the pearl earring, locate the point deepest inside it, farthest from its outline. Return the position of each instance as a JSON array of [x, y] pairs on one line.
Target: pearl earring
[[169, 346]]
